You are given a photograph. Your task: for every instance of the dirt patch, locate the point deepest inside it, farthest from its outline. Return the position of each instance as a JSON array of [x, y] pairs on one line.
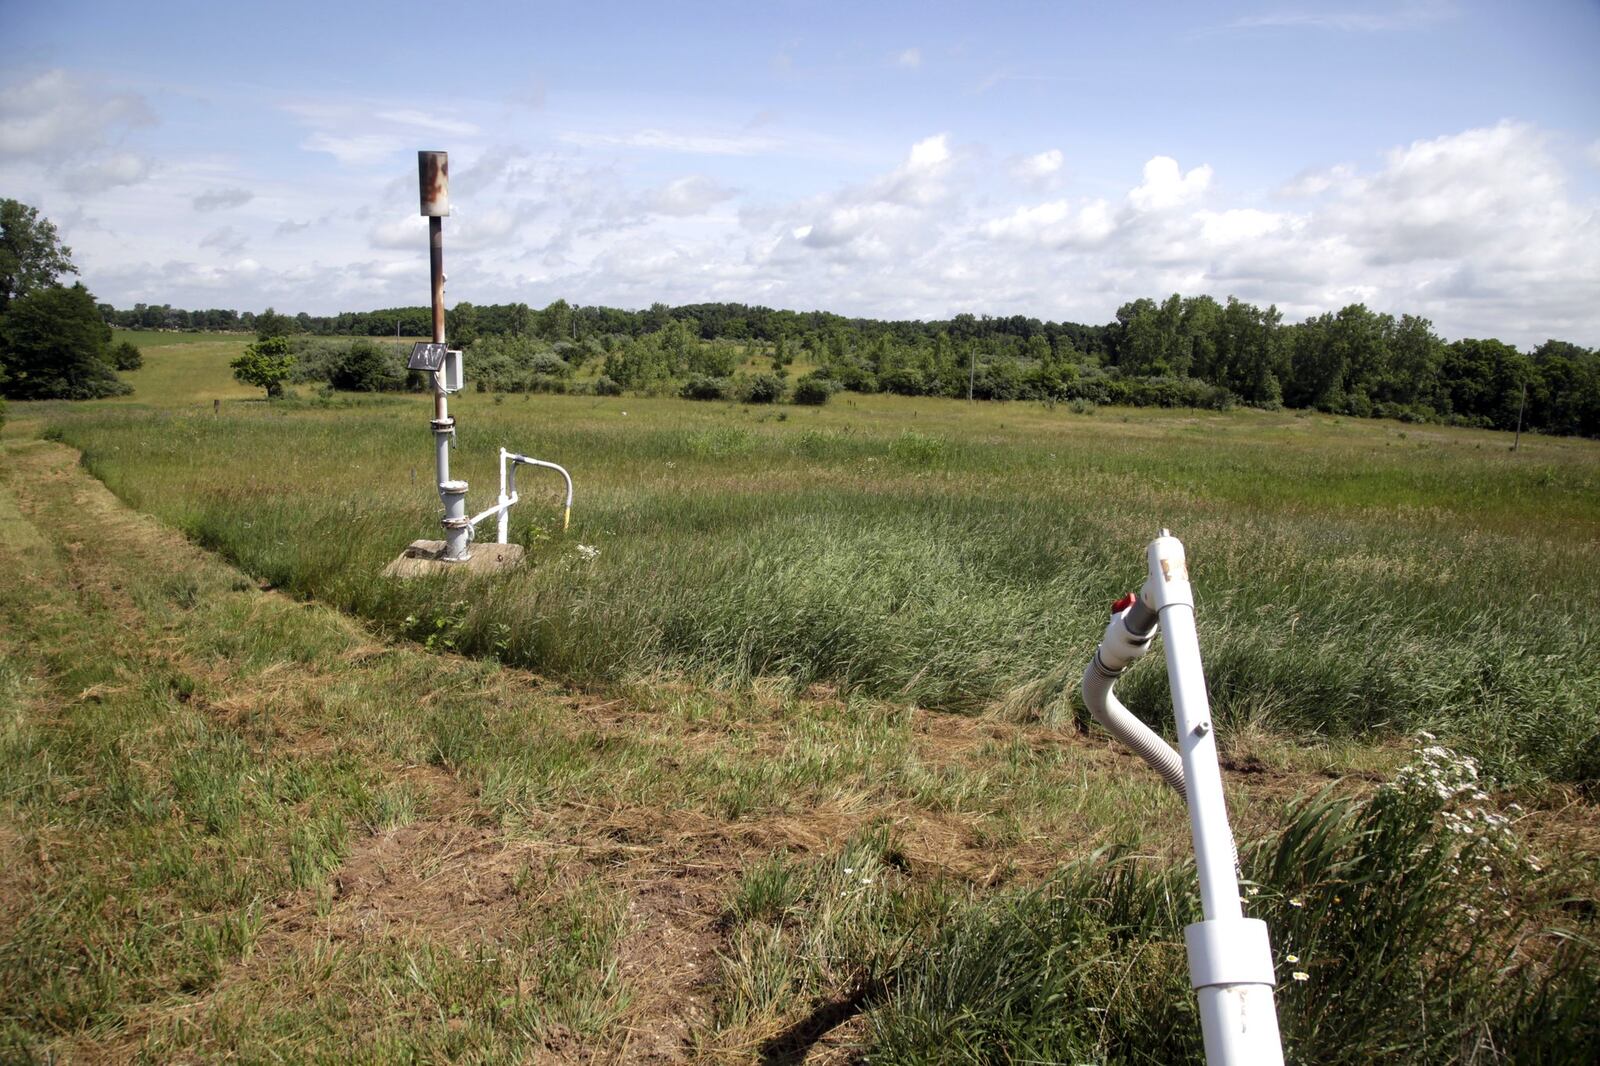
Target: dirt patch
[[670, 960]]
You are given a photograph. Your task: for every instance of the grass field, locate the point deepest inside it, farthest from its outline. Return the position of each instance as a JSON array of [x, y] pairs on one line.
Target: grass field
[[790, 770]]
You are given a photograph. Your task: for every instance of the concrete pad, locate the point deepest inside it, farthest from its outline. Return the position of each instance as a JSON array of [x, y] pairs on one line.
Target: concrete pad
[[425, 557]]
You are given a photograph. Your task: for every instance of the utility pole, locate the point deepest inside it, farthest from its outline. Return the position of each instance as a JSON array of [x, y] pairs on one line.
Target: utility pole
[[1516, 441], [433, 171]]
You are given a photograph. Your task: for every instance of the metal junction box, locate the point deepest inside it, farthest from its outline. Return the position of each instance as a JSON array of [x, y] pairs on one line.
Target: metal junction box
[[451, 375]]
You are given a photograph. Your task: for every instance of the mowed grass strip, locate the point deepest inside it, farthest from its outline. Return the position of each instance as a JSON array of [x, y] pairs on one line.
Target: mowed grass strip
[[189, 763]]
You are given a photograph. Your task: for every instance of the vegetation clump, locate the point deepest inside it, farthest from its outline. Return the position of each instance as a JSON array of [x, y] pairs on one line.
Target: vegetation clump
[[54, 343], [265, 364], [813, 390], [762, 389], [1363, 898], [701, 387]]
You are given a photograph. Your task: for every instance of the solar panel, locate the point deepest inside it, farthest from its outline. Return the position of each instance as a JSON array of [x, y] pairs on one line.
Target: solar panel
[[425, 355]]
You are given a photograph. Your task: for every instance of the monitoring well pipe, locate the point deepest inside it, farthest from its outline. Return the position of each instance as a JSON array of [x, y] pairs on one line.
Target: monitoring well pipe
[[509, 496], [1230, 958]]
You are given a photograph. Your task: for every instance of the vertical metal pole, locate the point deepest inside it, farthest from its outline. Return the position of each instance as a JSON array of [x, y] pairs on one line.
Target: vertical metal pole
[[504, 525], [433, 176], [441, 402], [1517, 441]]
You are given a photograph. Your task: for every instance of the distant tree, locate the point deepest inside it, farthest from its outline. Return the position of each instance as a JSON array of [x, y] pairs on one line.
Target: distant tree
[[462, 322], [31, 255], [555, 321], [265, 364], [1483, 380], [125, 356], [365, 367], [269, 324], [519, 320], [1151, 338], [813, 390], [55, 346], [1566, 395]]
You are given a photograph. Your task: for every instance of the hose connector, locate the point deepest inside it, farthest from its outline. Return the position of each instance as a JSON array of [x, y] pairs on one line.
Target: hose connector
[[1122, 643]]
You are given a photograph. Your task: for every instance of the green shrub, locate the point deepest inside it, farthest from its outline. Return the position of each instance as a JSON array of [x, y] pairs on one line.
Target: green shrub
[[604, 386], [547, 383], [813, 390], [763, 388], [702, 387], [903, 381], [125, 356], [365, 367]]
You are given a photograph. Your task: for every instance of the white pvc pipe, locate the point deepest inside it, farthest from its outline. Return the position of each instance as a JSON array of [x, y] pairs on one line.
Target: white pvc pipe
[[566, 512], [504, 501], [509, 495], [1230, 957]]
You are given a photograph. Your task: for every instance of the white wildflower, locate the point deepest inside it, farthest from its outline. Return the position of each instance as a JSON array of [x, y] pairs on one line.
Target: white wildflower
[[588, 551]]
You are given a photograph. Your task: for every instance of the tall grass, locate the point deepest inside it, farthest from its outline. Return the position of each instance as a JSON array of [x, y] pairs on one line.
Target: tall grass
[[1384, 950], [1354, 577]]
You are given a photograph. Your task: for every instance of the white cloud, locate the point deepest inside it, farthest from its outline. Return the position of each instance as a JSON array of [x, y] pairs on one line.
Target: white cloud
[[693, 195], [57, 115], [670, 141], [104, 172], [364, 134], [1055, 224], [1165, 186], [227, 241], [1317, 182], [421, 120], [1039, 166], [911, 58], [1239, 224], [361, 149], [73, 132], [220, 199], [1409, 15]]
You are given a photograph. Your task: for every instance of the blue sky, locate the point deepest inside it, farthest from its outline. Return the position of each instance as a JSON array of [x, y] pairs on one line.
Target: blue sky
[[897, 160]]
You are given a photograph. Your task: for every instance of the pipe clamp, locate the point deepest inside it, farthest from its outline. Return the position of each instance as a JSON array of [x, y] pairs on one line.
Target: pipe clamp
[[1229, 951]]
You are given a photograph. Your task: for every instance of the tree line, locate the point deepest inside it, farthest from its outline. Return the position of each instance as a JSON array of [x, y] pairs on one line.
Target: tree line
[[1178, 351], [1194, 352]]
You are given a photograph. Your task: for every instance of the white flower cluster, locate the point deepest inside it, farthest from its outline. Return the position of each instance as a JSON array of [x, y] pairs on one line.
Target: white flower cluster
[[1447, 774], [1448, 782]]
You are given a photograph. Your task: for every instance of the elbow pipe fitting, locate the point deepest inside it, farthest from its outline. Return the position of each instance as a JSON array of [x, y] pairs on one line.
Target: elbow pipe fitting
[[1120, 646]]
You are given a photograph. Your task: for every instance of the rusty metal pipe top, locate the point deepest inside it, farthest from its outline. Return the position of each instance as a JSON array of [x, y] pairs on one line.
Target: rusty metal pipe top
[[433, 178]]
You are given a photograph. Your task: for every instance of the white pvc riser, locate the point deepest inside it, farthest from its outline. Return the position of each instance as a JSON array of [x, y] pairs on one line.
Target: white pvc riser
[[1230, 956]]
